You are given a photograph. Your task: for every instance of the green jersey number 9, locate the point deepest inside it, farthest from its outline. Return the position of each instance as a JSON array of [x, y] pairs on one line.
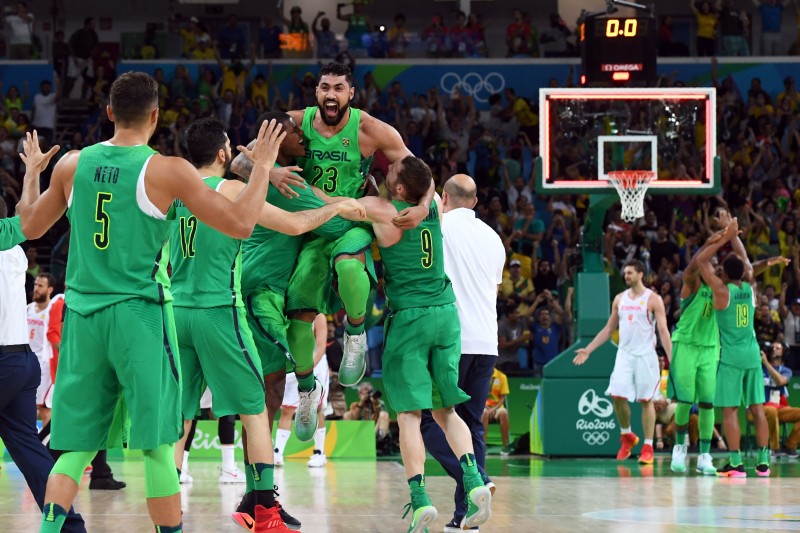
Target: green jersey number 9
[[427, 248]]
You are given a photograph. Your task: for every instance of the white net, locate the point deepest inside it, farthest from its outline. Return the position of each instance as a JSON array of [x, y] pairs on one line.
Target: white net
[[631, 186]]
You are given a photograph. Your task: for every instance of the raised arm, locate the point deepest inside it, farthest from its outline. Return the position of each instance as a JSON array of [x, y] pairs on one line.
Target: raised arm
[[760, 266], [38, 212], [691, 274], [582, 354]]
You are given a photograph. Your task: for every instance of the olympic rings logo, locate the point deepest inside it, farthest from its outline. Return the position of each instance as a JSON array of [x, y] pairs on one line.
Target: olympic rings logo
[[590, 402], [596, 438], [473, 84]]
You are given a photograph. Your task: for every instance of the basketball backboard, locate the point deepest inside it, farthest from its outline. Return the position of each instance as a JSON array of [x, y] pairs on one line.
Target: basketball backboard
[[586, 133]]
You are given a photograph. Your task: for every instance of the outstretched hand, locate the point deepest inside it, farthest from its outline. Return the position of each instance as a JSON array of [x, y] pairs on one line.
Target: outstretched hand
[[269, 139], [32, 154], [581, 355]]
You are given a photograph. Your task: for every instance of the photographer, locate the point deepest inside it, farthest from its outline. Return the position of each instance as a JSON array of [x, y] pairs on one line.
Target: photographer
[[370, 407]]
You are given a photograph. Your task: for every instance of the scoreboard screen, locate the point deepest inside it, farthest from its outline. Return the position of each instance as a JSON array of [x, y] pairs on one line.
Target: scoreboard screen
[[616, 50]]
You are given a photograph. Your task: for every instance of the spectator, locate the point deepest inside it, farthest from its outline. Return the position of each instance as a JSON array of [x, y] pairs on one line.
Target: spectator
[[521, 109], [771, 13], [235, 76], [269, 39], [496, 411], [370, 406], [231, 40], [477, 36], [706, 26], [398, 37], [260, 88], [664, 253], [180, 86], [13, 100], [21, 38], [455, 132], [460, 40], [546, 331], [59, 55], [767, 329], [531, 228], [298, 44], [435, 37], [734, 25], [514, 337], [45, 107], [518, 35], [82, 45], [358, 25], [776, 408], [189, 32], [545, 279], [516, 284], [149, 49], [204, 49], [791, 328], [327, 45]]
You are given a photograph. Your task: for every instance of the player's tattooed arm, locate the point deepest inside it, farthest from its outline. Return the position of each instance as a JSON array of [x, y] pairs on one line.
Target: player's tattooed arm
[[241, 165]]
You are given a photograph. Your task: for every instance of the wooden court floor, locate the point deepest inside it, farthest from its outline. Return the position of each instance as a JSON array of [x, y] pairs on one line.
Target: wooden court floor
[[533, 495]]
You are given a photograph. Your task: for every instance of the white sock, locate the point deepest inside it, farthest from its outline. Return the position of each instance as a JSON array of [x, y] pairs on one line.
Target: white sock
[[319, 440], [648, 441], [228, 460], [185, 464], [281, 438], [625, 431]]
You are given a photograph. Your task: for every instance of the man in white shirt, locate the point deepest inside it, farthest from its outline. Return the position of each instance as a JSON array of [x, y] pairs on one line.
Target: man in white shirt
[[45, 329], [19, 378], [474, 257], [45, 107], [21, 39]]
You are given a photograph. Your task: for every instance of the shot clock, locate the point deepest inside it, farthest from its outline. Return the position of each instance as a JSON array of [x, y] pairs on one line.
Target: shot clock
[[618, 50]]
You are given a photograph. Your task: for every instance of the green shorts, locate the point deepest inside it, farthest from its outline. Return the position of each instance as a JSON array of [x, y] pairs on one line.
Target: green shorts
[[311, 284], [127, 351], [739, 386], [421, 353], [693, 373], [217, 350], [269, 326]]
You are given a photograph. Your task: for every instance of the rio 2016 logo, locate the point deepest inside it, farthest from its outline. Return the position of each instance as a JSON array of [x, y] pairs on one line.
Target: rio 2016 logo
[[594, 430], [473, 84]]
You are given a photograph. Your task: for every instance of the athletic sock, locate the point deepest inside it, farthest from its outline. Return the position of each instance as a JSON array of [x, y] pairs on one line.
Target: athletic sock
[[682, 413], [250, 482], [185, 463], [228, 460], [763, 456], [53, 517], [226, 429], [169, 529], [706, 422], [281, 438], [419, 496], [648, 442], [354, 292], [301, 344], [735, 457], [263, 477], [319, 440], [625, 431], [305, 382]]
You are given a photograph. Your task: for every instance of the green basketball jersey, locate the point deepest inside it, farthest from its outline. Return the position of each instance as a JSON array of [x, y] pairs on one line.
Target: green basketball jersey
[[698, 322], [114, 244], [268, 256], [737, 332], [414, 267], [206, 264], [334, 165]]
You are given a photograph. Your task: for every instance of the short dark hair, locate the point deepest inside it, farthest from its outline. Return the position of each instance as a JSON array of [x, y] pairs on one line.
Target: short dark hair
[[203, 139], [733, 267], [278, 116], [636, 265], [51, 280], [335, 68], [416, 177], [133, 96]]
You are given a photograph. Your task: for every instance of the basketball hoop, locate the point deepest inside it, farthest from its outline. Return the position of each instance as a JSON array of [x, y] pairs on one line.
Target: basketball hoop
[[631, 186]]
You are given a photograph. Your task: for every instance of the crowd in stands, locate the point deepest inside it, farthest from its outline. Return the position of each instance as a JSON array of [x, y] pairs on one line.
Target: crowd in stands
[[723, 27]]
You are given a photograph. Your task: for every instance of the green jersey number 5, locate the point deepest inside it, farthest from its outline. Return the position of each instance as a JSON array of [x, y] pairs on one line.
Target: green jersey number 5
[[102, 218]]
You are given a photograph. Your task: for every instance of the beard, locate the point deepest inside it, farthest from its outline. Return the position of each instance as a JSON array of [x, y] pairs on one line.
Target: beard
[[335, 121], [227, 164], [39, 298]]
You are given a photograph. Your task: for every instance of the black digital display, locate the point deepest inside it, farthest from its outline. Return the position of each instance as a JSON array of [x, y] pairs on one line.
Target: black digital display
[[618, 50]]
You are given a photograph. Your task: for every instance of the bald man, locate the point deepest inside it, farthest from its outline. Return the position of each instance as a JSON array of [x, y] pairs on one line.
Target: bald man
[[473, 260]]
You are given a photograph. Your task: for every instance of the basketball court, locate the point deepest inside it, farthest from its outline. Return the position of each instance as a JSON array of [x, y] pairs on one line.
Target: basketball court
[[533, 495]]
